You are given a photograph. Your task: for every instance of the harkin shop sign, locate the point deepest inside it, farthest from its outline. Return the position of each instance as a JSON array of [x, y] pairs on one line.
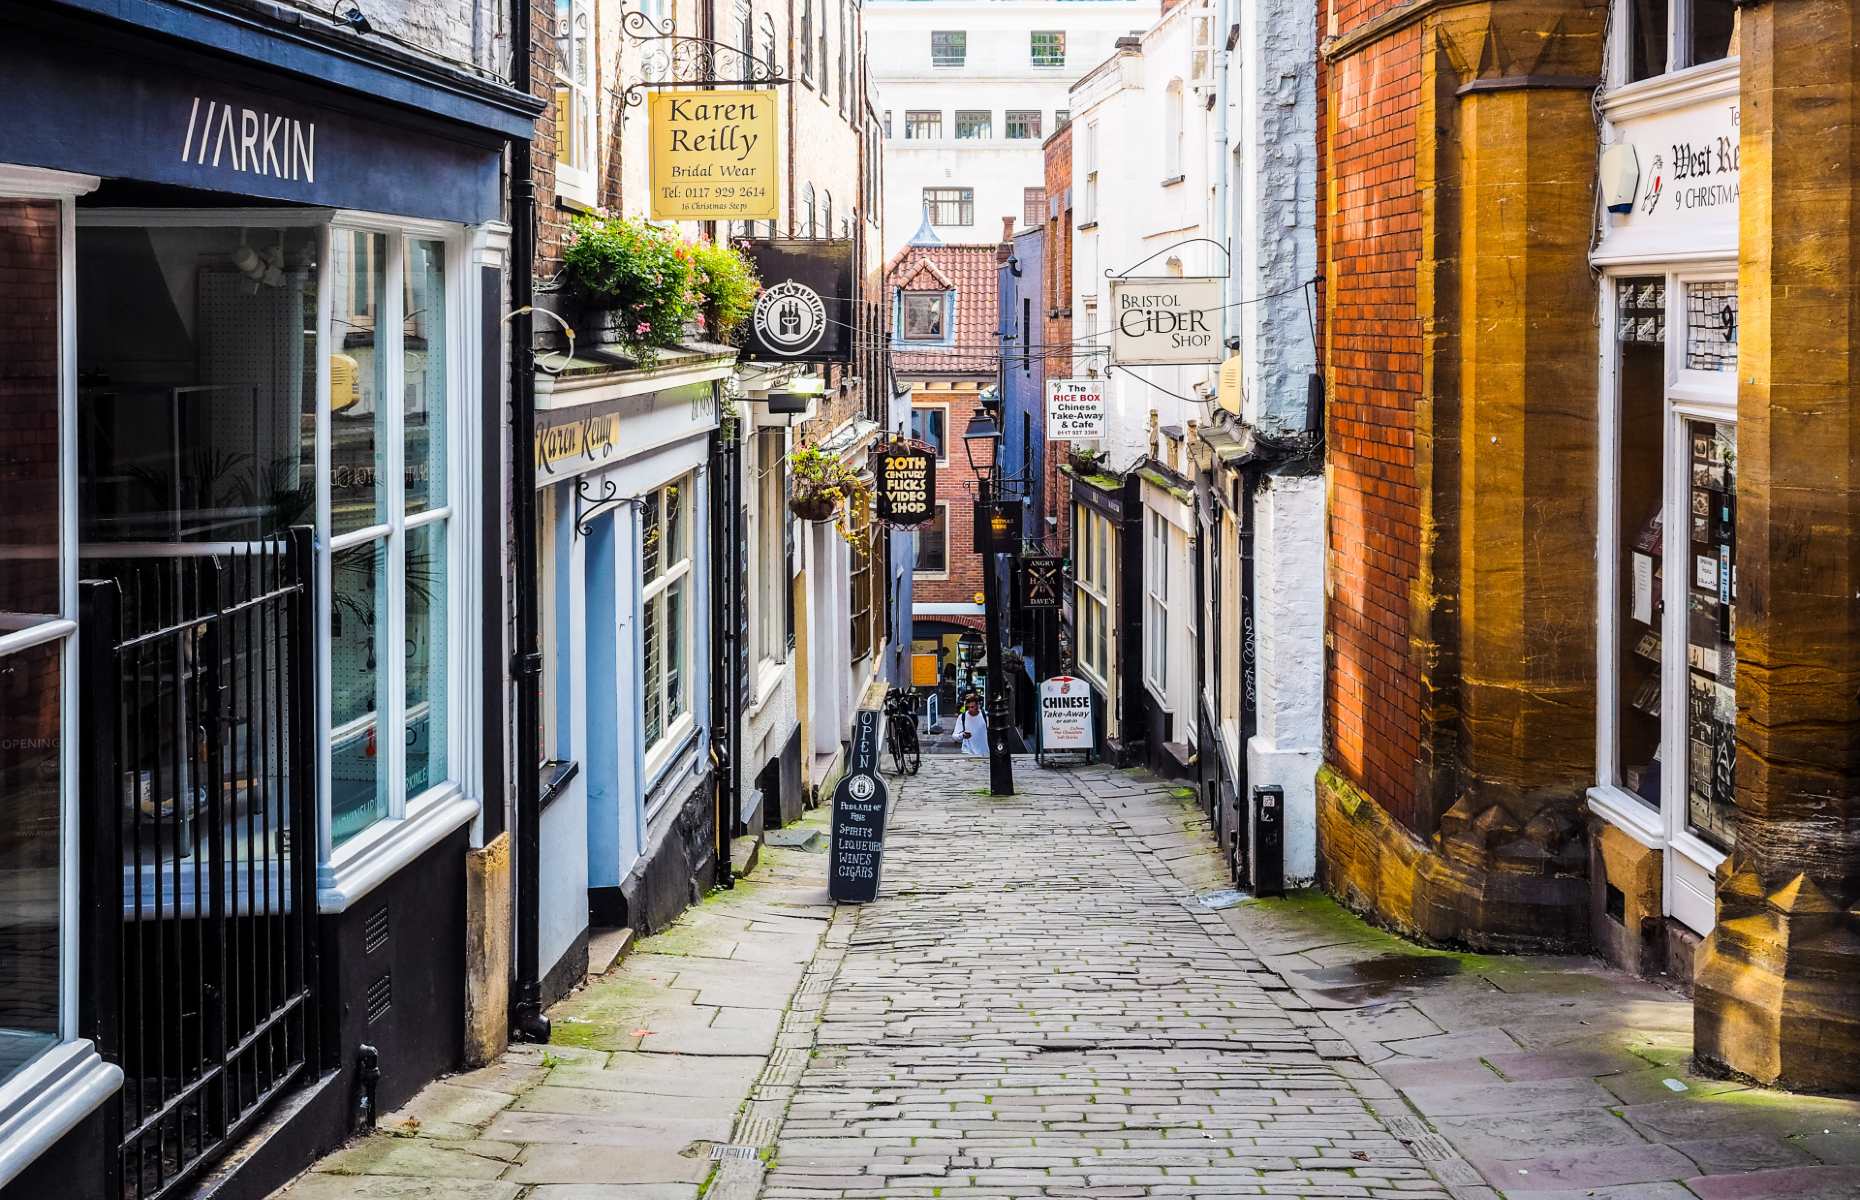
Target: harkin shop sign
[[1675, 176], [1166, 322]]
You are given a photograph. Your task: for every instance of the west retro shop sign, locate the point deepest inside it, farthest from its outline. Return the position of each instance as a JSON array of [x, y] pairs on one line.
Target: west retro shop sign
[[1672, 180]]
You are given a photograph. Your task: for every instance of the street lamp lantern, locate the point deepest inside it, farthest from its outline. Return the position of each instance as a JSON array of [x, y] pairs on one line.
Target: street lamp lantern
[[981, 441]]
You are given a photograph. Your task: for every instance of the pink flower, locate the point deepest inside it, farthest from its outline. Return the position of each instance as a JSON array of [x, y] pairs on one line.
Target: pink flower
[[643, 327], [700, 320]]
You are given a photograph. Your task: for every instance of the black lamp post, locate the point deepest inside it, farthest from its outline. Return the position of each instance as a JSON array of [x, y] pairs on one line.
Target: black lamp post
[[981, 442]]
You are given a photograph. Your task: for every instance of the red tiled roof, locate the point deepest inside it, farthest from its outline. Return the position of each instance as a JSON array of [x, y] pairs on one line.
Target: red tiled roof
[[971, 272]]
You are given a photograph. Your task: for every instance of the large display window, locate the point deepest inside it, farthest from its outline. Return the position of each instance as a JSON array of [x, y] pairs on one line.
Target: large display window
[[1667, 717]]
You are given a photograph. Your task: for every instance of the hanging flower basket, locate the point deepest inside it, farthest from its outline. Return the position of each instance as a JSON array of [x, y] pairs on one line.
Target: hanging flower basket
[[815, 505]]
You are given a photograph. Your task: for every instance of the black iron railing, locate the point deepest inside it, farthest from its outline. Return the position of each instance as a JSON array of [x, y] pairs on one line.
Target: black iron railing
[[199, 841]]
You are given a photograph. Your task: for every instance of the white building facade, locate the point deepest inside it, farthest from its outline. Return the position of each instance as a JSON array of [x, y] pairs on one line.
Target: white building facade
[[968, 91]]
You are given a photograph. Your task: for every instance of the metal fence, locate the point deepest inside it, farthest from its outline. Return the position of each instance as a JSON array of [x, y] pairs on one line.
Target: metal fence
[[199, 841]]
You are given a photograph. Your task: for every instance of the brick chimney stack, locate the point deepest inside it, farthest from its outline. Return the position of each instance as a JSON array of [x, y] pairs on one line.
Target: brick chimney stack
[[1005, 250]]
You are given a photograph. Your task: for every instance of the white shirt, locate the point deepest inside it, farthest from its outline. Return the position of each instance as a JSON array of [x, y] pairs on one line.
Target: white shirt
[[977, 727]]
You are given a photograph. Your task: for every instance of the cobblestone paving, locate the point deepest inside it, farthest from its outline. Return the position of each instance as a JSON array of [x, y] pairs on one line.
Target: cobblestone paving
[[1035, 1008]]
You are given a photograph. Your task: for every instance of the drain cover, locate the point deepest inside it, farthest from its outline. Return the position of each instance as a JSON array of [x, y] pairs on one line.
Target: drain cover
[[725, 1150]]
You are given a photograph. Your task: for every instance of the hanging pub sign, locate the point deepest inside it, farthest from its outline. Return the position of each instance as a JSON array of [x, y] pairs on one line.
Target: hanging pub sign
[[904, 483], [804, 313], [1166, 321], [1074, 409], [714, 156], [1040, 581]]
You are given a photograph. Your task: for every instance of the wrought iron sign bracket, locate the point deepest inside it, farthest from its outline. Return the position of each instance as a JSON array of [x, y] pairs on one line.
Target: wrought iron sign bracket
[[1126, 273], [597, 506], [669, 59]]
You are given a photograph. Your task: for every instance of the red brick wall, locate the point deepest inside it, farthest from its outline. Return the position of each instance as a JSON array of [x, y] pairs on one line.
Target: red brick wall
[[551, 218], [955, 486], [1057, 333], [1373, 238]]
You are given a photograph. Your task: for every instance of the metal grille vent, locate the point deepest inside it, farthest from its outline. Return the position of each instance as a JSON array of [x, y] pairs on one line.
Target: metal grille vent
[[380, 997], [375, 930]]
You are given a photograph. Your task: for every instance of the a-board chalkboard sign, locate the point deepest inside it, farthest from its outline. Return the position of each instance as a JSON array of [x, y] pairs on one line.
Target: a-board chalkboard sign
[[858, 819]]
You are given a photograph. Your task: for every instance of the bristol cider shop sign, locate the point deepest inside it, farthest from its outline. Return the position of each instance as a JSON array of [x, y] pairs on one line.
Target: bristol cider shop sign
[[858, 819], [1074, 410], [1166, 322], [1065, 714], [714, 156], [904, 480]]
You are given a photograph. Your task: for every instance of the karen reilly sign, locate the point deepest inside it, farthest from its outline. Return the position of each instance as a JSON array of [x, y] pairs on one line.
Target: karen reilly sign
[[1166, 322], [714, 156]]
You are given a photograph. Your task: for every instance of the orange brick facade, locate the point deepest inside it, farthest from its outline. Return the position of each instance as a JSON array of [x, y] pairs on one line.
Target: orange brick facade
[[1057, 333], [1371, 236]]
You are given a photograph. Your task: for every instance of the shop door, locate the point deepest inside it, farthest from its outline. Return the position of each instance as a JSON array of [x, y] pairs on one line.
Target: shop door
[[199, 800]]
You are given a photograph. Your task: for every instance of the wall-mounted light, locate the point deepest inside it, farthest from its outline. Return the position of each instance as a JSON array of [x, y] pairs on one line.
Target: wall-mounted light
[[348, 12]]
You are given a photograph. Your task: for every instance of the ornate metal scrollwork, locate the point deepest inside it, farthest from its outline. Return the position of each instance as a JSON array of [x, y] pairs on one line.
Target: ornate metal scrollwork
[[669, 59], [597, 505]]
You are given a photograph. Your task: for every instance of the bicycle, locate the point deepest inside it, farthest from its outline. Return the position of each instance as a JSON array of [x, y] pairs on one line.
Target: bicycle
[[901, 732]]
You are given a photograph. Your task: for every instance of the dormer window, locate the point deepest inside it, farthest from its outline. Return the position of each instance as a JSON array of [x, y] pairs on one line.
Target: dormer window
[[925, 316]]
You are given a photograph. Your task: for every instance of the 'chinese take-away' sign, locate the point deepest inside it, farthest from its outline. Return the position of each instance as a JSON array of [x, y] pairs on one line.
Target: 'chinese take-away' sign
[[1166, 322], [714, 156], [1074, 409], [904, 483], [1065, 714]]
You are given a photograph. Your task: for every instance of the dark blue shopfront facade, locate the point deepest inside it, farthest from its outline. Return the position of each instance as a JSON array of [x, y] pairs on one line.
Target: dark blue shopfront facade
[[179, 108]]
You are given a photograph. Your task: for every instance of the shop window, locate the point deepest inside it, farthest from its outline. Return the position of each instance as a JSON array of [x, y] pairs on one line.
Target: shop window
[[36, 574], [1640, 604], [1711, 326], [973, 124], [950, 206], [575, 111], [665, 616], [772, 595], [861, 606], [1091, 602], [1711, 630], [1671, 35], [1047, 48], [933, 543], [932, 425], [1156, 616]]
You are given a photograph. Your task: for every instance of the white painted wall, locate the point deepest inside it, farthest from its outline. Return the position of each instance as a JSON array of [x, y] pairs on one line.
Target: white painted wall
[[1288, 571], [997, 76], [1146, 203]]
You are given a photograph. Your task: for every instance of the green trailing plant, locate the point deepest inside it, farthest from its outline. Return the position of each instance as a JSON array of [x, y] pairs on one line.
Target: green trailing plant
[[825, 488], [727, 285], [645, 274]]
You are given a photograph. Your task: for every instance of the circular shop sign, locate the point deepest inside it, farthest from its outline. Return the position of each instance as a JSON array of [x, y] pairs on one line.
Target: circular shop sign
[[790, 318], [861, 787]]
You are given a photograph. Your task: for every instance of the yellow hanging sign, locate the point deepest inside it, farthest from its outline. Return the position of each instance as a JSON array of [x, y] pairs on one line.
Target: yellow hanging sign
[[715, 156]]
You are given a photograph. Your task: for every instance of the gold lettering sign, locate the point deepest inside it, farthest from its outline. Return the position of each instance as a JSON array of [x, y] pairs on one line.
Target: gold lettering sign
[[590, 438], [714, 156]]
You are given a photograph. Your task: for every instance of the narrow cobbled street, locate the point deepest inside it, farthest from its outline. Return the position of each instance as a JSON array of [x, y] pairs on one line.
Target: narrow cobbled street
[[1032, 1010]]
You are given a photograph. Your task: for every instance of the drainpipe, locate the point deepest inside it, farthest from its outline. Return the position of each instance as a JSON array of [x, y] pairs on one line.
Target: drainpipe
[[528, 1024]]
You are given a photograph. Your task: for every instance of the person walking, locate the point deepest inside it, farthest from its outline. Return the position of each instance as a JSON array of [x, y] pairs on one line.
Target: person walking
[[972, 728]]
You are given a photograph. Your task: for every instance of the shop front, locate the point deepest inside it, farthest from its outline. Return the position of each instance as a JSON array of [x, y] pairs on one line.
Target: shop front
[[624, 557], [255, 296], [1666, 717]]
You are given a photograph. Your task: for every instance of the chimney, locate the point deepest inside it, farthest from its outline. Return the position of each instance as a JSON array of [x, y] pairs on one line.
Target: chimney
[[1005, 250]]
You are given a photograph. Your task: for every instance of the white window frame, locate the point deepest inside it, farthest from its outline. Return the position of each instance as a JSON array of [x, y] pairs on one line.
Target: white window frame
[[770, 594], [1034, 117], [1173, 108], [1156, 608], [1092, 596], [1689, 863], [1088, 206], [1047, 62], [54, 1091], [1678, 46], [674, 731], [960, 60], [576, 183], [986, 125]]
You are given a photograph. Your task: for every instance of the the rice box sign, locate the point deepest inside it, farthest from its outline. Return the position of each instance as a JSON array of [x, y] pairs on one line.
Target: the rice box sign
[[715, 156], [1166, 322], [1074, 409], [1065, 714]]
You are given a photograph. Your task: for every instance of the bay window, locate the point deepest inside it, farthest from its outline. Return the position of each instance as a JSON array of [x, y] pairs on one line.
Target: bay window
[[665, 618]]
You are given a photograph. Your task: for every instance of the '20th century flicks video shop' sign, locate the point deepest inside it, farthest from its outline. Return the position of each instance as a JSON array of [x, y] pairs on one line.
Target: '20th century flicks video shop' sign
[[714, 156], [904, 483], [858, 849]]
